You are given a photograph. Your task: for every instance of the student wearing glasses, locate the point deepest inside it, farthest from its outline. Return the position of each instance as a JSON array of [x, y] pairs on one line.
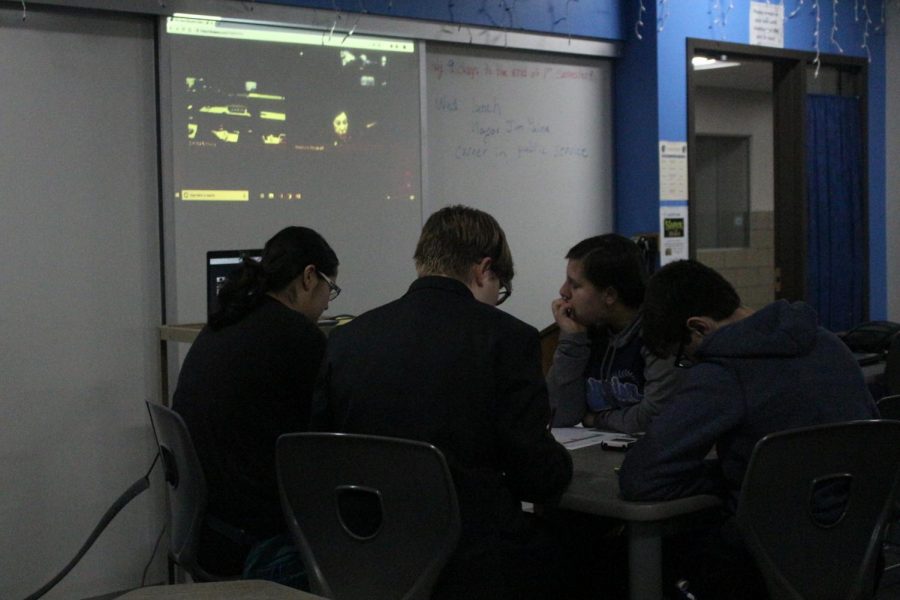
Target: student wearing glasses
[[751, 374], [603, 375], [444, 365], [247, 379]]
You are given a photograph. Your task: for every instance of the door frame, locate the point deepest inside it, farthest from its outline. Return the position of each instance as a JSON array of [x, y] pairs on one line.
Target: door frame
[[789, 153]]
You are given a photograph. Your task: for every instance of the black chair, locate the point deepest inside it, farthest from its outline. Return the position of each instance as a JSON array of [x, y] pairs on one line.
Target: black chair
[[374, 518], [889, 407], [186, 492], [814, 505], [892, 366]]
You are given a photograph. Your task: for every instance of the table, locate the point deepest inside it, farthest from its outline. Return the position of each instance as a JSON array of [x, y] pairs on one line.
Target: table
[[222, 590], [594, 489]]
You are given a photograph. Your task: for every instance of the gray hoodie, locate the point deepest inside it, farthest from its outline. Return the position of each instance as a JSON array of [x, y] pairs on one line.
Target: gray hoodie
[[583, 363]]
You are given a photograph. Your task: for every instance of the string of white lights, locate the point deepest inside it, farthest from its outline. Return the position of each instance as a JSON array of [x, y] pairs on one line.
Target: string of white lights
[[640, 20], [796, 9], [834, 26], [719, 12], [816, 33], [866, 25], [714, 10], [662, 14]]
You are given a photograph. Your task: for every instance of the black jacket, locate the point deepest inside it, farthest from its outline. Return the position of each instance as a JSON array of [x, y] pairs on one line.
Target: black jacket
[[772, 371], [440, 366], [239, 389]]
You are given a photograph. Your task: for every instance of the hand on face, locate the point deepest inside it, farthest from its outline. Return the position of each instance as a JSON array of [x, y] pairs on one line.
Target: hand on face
[[562, 314]]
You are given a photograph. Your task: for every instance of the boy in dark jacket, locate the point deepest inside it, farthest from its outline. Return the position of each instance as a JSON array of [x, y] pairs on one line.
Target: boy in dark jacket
[[752, 373], [442, 364]]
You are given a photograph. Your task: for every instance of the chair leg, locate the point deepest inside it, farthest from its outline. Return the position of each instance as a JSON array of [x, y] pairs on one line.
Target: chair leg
[[171, 571]]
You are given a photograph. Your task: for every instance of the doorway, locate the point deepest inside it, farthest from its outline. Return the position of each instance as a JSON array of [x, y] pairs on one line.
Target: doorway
[[732, 195], [760, 95]]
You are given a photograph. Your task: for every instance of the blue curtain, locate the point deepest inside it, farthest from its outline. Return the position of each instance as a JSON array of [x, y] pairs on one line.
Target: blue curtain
[[837, 236]]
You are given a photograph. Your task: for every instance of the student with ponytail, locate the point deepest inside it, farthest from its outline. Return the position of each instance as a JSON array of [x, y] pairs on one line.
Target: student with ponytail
[[247, 379]]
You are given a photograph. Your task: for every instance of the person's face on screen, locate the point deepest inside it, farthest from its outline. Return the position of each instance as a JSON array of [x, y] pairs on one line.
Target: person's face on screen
[[584, 303], [341, 125]]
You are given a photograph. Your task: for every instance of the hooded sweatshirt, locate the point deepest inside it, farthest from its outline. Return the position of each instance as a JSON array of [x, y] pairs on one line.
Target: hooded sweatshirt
[[613, 375], [771, 371]]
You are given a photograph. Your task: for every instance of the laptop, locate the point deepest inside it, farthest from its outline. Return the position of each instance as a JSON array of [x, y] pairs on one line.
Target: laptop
[[219, 265]]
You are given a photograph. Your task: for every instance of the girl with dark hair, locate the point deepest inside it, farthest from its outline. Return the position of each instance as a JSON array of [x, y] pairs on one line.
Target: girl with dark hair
[[603, 375], [247, 379], [289, 254]]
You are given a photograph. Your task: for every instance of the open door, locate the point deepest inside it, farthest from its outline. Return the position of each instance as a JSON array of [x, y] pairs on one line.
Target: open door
[[748, 170]]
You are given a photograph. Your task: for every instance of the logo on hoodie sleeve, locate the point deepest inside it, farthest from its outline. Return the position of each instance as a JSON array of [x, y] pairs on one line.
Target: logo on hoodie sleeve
[[621, 390]]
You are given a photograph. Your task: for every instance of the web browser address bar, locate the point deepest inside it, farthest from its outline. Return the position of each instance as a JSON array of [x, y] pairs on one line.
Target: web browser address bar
[[220, 28]]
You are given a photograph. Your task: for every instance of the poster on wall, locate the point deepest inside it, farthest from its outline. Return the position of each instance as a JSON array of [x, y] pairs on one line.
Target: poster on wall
[[673, 180], [767, 24], [673, 201], [673, 231]]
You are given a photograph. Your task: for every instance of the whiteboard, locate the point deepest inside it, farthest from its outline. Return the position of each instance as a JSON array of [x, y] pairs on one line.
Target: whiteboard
[[528, 138]]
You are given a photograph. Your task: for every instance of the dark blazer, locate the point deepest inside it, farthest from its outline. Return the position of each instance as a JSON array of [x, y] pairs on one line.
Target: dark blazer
[[440, 366]]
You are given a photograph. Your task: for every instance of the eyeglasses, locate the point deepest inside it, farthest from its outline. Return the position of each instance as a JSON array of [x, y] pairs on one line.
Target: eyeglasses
[[682, 361], [505, 292], [335, 290]]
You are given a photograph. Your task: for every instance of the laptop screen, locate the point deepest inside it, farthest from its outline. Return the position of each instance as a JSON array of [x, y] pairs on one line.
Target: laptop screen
[[219, 265]]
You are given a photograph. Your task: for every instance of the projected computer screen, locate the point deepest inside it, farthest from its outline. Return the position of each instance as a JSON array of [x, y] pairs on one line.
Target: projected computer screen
[[273, 126], [275, 114]]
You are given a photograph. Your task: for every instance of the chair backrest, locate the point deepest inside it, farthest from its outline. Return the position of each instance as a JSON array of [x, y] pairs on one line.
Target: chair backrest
[[186, 489], [814, 504], [374, 517], [889, 407], [892, 366]]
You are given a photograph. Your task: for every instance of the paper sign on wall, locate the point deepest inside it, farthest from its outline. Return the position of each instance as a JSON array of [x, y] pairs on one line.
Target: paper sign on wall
[[673, 232], [767, 24], [673, 201], [673, 181]]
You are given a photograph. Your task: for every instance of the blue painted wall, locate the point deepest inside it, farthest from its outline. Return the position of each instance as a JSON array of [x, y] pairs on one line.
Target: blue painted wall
[[636, 125], [584, 18]]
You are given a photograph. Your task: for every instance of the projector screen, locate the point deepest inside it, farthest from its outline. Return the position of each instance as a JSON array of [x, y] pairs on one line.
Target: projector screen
[[362, 138], [273, 126]]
